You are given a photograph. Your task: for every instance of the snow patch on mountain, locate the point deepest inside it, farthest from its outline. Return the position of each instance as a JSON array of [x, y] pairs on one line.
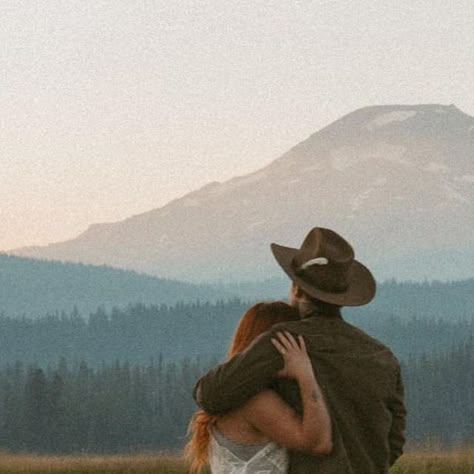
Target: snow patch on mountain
[[256, 224], [394, 154], [347, 156], [357, 202], [384, 119]]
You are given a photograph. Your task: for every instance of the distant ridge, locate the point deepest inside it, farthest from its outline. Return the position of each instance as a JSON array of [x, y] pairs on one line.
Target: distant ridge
[[35, 288], [396, 180]]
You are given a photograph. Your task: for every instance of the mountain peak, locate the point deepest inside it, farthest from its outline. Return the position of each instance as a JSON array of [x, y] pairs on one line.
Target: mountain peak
[[387, 177], [419, 108], [432, 123]]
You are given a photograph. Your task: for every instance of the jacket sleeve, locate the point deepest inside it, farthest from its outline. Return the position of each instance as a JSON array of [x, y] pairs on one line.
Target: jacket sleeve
[[231, 384], [397, 429]]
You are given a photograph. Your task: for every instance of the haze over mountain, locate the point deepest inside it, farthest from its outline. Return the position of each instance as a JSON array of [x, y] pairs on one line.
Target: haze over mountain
[[396, 181]]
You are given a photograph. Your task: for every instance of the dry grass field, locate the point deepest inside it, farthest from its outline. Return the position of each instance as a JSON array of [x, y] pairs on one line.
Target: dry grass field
[[133, 464], [460, 461], [421, 462]]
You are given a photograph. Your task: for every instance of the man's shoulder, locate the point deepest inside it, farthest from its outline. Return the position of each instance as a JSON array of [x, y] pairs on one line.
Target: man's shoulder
[[339, 334], [302, 326], [368, 345], [367, 339]]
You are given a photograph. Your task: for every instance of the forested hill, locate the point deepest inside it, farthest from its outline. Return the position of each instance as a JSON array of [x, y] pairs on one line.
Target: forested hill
[[431, 300], [71, 408], [406, 300], [37, 287], [140, 333]]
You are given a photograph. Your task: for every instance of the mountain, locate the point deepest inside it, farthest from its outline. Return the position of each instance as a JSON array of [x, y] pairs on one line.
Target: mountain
[[35, 288], [396, 181]]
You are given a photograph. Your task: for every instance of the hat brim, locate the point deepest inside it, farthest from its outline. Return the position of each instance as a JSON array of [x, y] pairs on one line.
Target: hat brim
[[360, 291]]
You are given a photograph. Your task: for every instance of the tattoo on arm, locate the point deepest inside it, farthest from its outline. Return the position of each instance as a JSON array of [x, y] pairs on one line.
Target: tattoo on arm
[[314, 395]]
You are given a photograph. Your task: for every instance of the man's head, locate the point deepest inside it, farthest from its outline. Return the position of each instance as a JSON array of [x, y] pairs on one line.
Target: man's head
[[306, 304], [324, 270]]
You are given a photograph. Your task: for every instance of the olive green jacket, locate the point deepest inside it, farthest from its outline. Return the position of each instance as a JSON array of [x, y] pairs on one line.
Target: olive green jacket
[[359, 376]]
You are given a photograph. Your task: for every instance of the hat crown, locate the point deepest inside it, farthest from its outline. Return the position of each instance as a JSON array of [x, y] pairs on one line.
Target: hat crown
[[321, 242], [324, 260]]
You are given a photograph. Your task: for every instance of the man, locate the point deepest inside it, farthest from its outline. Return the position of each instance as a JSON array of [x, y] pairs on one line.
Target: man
[[360, 377]]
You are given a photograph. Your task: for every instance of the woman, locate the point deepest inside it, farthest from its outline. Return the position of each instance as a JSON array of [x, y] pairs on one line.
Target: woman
[[253, 437]]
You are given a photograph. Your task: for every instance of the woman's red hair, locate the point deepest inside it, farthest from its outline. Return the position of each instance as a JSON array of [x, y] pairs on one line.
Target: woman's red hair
[[258, 319]]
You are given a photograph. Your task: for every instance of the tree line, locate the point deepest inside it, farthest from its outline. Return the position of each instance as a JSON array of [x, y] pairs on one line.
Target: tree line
[[450, 300], [35, 288], [139, 332], [119, 407], [114, 408]]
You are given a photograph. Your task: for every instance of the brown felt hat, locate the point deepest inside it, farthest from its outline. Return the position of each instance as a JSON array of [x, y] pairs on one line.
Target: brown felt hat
[[324, 267]]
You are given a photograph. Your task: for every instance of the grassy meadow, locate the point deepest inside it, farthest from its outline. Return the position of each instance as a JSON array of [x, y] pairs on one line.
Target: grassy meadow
[[113, 464], [416, 462]]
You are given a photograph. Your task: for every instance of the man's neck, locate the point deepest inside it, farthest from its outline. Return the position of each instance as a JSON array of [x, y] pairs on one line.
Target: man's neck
[[307, 309], [323, 314]]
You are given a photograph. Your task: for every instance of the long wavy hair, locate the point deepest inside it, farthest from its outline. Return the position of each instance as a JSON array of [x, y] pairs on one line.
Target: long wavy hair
[[256, 320]]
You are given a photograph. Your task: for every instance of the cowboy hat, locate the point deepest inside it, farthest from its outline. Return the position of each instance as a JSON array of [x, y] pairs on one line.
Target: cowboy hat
[[324, 267]]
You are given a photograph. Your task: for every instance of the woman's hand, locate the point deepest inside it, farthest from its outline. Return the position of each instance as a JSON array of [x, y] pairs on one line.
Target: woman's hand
[[297, 363]]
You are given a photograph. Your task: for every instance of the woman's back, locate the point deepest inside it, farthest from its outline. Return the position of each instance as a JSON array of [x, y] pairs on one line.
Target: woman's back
[[228, 457]]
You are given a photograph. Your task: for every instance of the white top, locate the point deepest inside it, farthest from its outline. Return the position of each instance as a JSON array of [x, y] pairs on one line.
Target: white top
[[270, 459]]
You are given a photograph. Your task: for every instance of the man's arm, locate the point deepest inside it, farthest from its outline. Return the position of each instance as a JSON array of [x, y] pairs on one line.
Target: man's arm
[[231, 384], [397, 430]]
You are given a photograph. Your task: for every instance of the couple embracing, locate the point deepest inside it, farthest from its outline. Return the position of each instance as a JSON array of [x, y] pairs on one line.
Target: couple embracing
[[303, 391]]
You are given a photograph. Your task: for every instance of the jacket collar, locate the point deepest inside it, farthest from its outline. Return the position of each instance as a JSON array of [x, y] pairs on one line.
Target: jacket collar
[[336, 314]]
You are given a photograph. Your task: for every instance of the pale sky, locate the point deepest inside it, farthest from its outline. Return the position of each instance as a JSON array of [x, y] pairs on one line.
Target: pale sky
[[113, 108]]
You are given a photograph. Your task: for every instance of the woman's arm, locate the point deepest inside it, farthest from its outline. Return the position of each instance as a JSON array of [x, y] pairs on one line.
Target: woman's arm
[[231, 384], [268, 413]]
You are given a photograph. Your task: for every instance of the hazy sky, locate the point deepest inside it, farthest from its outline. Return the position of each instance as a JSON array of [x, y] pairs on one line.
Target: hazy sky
[[112, 108]]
